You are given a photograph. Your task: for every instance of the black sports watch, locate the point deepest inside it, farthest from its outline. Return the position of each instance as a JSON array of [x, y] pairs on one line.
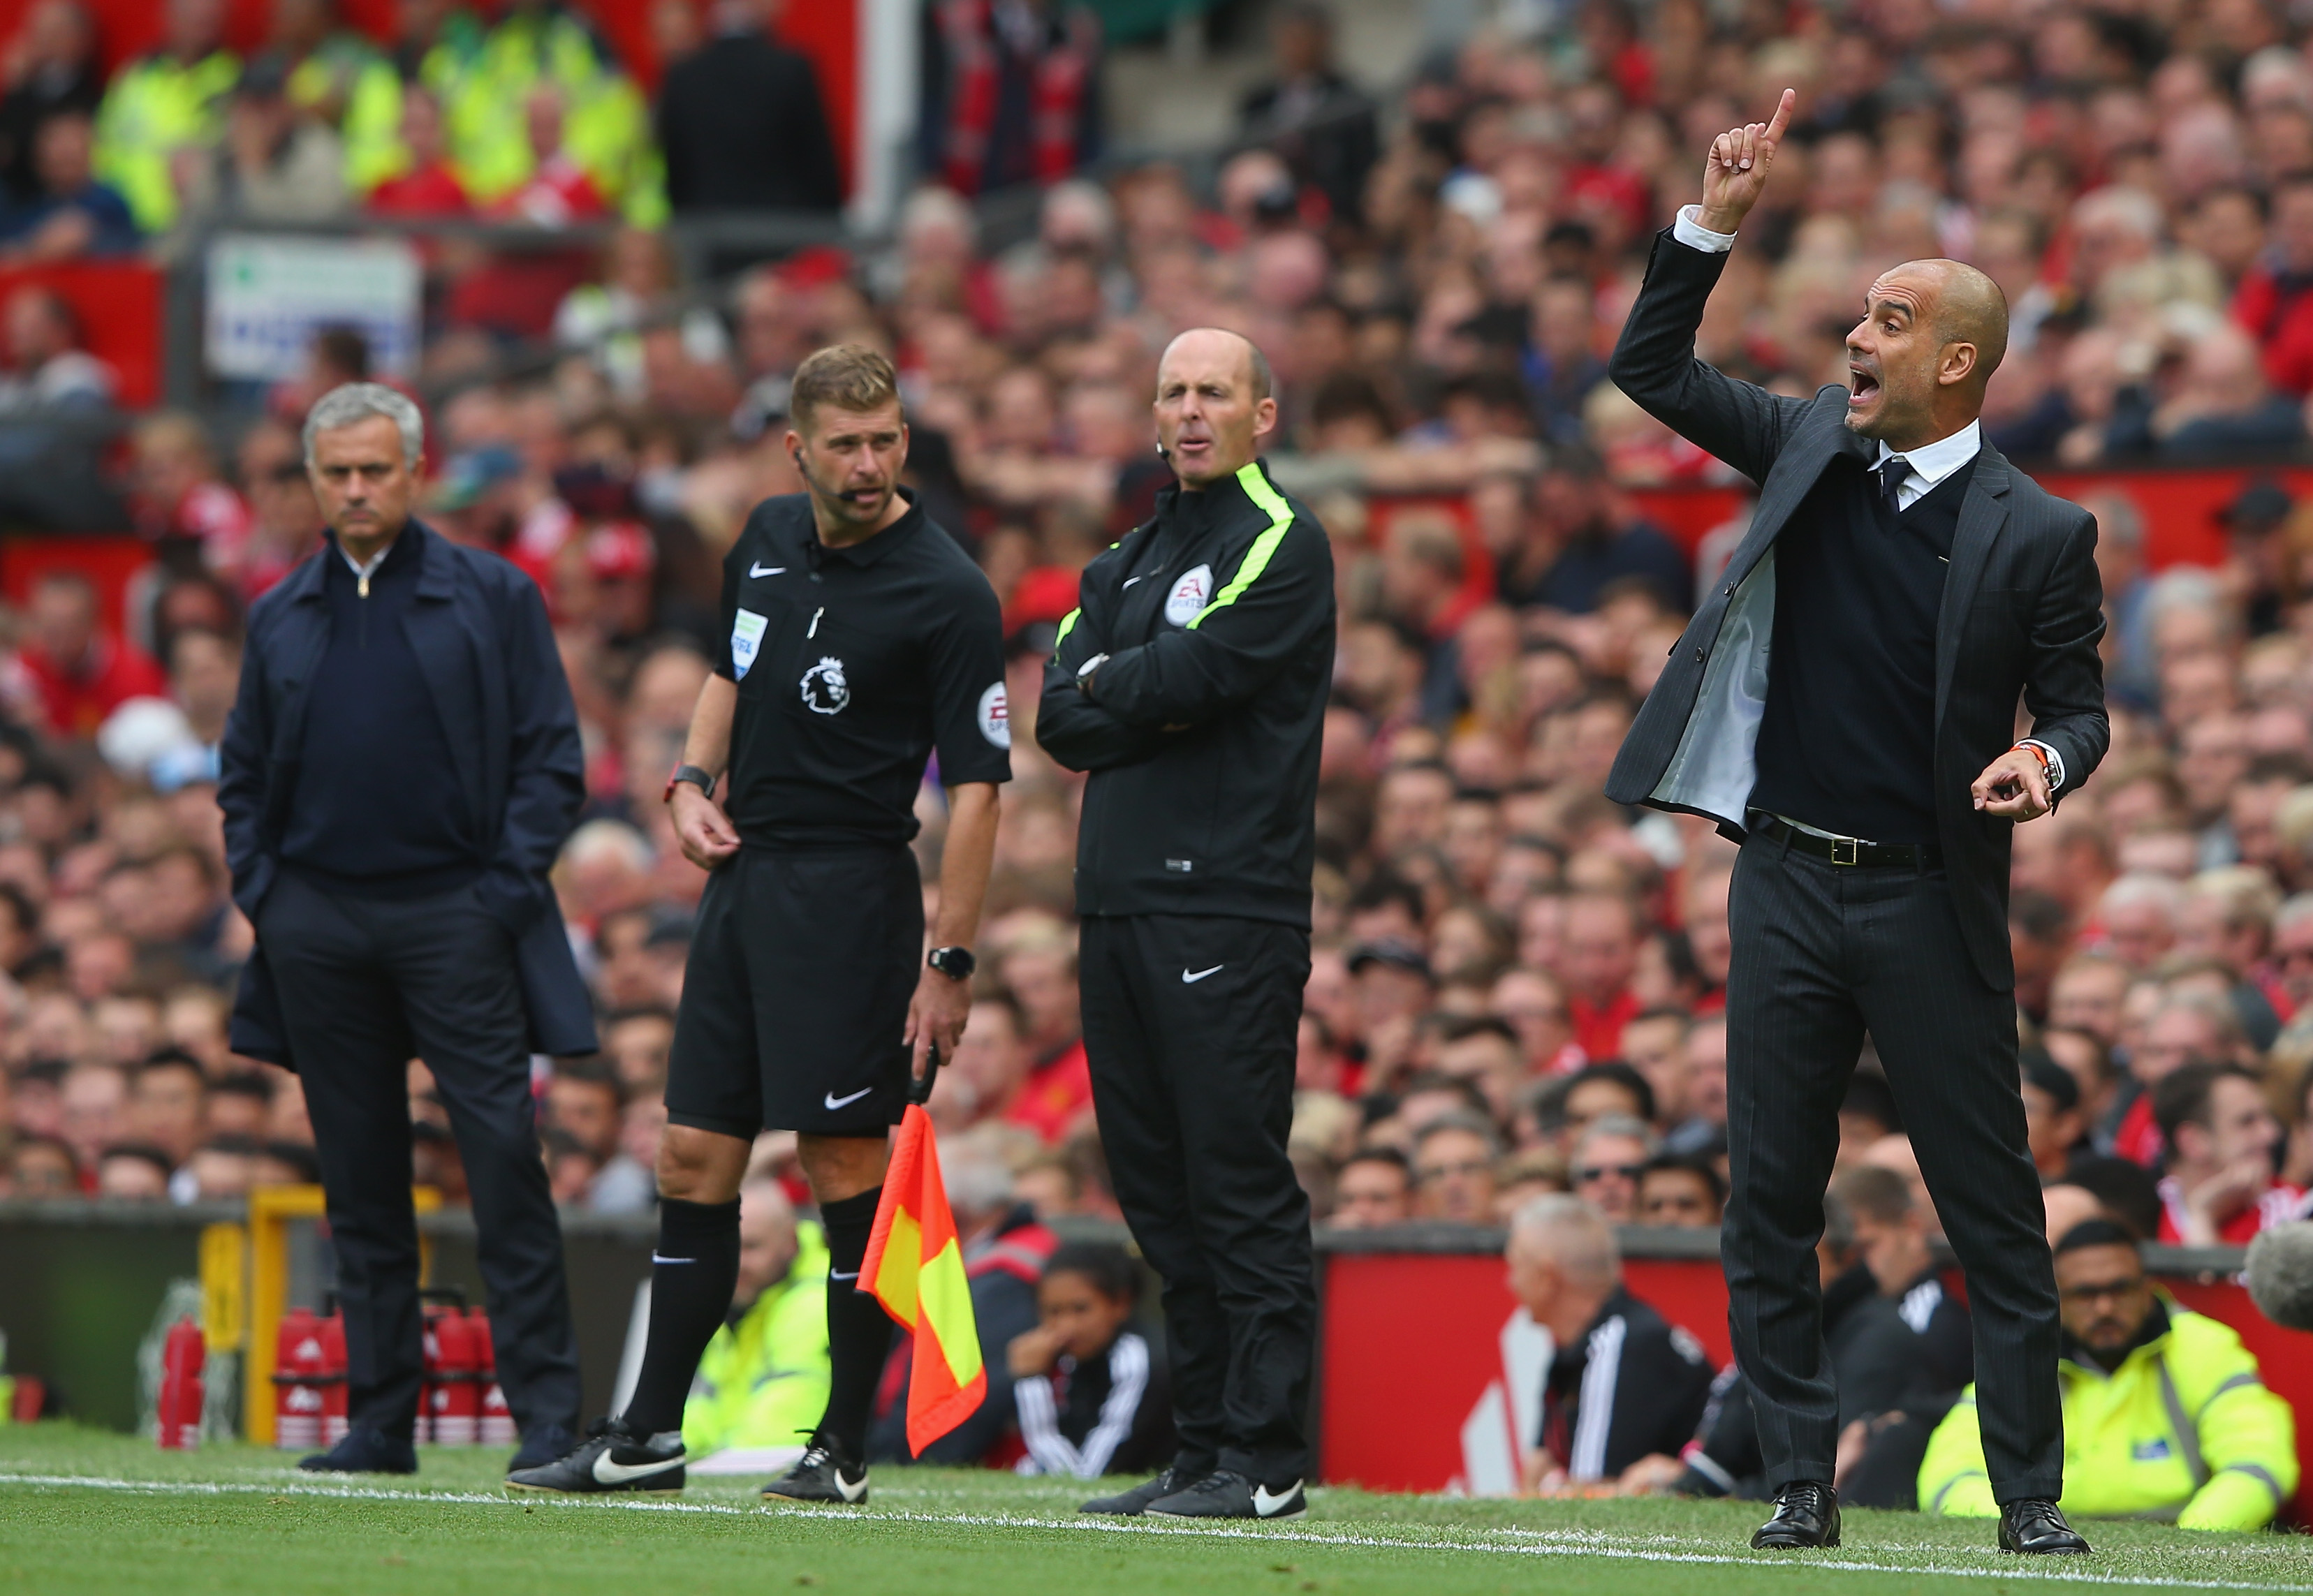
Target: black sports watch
[[955, 963], [692, 773]]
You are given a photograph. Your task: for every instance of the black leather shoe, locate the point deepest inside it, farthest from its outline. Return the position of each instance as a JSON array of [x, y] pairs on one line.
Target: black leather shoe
[[2036, 1525], [1807, 1515], [363, 1451]]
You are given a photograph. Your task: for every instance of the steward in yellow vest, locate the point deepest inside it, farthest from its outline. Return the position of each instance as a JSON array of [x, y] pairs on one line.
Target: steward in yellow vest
[[2165, 1416]]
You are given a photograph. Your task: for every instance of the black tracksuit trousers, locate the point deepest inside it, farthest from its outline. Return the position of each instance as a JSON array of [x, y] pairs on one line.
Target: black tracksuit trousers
[[1190, 1023]]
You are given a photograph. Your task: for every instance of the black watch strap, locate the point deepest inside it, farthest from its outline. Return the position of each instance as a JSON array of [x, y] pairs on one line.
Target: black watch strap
[[697, 777], [956, 963]]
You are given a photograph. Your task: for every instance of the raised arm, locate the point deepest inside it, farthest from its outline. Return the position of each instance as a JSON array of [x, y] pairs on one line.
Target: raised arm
[[1654, 362]]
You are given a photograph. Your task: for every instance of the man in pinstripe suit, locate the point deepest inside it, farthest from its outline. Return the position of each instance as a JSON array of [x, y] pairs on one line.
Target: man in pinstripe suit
[[1907, 585]]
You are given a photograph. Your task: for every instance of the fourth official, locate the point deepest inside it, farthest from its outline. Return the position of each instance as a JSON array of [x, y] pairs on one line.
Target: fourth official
[[1191, 683]]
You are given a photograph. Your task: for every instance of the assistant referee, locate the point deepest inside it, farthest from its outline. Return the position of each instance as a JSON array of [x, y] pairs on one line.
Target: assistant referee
[[860, 638], [1191, 684]]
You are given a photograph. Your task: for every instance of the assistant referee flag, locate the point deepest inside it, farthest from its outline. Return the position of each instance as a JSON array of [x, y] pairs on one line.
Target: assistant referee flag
[[915, 1266]]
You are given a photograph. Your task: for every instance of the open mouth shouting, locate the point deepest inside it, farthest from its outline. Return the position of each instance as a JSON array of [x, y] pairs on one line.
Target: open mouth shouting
[[1862, 386]]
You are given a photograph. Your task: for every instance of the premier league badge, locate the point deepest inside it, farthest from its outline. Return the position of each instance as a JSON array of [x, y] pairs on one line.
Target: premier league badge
[[824, 687]]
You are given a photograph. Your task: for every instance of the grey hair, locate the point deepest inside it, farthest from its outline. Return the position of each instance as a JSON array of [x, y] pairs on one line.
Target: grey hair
[[358, 401], [2295, 911], [1572, 1234], [1461, 1119], [1620, 1124]]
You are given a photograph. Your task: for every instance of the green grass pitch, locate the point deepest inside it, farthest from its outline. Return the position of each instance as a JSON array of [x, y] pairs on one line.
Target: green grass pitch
[[83, 1513]]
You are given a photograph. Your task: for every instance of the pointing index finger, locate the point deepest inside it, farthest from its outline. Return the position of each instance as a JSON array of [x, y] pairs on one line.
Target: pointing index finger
[[1782, 119]]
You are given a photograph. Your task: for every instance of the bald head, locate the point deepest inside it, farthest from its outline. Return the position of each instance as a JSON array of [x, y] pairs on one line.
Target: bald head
[[1932, 333], [1221, 343], [1970, 309], [1214, 404]]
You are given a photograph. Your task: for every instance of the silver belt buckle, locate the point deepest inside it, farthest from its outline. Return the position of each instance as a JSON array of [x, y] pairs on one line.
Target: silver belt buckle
[[1844, 849]]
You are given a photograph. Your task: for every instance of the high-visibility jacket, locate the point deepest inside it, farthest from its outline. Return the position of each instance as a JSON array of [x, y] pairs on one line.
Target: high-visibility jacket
[[367, 90], [764, 1381], [2184, 1430], [605, 120], [155, 108]]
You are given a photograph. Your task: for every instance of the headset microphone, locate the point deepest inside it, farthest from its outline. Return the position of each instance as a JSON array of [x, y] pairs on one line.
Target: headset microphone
[[1163, 452]]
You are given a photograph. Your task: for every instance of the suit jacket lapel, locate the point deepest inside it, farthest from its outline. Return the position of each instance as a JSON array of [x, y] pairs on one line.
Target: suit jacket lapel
[[1822, 438], [1982, 515]]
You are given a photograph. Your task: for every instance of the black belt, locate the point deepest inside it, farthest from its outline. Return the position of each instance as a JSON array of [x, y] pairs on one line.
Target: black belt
[[1850, 850]]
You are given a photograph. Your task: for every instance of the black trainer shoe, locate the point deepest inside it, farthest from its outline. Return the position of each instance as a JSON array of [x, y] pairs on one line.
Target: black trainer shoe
[[612, 1458], [1225, 1493], [541, 1445], [1132, 1503], [363, 1451], [820, 1476], [2036, 1525], [1807, 1515]]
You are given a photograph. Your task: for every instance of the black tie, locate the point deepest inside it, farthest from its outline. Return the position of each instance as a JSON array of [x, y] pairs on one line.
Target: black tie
[[1892, 472]]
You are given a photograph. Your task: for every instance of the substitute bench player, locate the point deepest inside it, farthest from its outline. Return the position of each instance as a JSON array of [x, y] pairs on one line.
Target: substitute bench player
[[860, 638]]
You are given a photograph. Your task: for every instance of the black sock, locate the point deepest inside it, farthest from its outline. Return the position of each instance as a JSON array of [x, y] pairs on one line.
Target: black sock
[[692, 1277], [859, 1331]]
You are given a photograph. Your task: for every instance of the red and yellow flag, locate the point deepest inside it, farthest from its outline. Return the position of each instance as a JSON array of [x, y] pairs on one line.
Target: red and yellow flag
[[915, 1266]]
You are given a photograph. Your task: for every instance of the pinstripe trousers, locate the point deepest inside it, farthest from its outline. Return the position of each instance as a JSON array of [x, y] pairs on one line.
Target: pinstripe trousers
[[1824, 953]]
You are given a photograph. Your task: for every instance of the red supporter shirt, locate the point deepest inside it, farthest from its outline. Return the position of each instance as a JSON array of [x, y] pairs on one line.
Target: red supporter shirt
[[1598, 1029], [77, 701], [1055, 1095], [2138, 1138], [2278, 1205], [431, 192]]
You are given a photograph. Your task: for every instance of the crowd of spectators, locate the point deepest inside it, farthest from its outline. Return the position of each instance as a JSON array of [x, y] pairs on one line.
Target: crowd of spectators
[[1517, 986]]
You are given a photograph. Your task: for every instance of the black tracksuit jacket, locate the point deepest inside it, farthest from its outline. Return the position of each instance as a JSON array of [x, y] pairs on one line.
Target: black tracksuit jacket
[[1203, 725]]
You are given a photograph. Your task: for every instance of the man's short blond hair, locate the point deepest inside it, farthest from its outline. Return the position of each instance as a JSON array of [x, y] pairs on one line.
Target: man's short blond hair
[[843, 377]]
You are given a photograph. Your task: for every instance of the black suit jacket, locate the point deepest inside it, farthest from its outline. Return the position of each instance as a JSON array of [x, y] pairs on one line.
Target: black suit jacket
[[745, 130], [480, 634], [2022, 608]]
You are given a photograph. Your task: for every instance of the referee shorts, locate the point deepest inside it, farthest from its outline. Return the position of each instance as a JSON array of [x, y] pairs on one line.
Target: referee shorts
[[795, 998]]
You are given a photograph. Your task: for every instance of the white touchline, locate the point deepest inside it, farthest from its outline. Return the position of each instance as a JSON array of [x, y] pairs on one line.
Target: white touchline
[[1531, 1543]]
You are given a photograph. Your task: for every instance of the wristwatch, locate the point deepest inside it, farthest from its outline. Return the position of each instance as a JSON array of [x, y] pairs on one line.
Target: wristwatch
[[692, 773], [1084, 672], [955, 963]]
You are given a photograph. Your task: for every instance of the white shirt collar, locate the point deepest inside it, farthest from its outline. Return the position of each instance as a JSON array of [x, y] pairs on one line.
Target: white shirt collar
[[1930, 463], [360, 568]]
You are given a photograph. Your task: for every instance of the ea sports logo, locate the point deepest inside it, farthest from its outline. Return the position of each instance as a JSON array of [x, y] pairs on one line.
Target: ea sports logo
[[824, 687], [1189, 595], [995, 716]]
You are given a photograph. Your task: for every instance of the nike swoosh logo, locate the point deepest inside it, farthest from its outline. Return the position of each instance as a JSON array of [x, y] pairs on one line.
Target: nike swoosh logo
[[838, 1275], [1265, 1505], [657, 1259], [765, 570], [834, 1102], [1128, 581], [608, 1473], [850, 1490], [1189, 979]]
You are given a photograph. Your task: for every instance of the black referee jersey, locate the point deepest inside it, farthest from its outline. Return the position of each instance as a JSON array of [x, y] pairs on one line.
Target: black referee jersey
[[853, 665], [1634, 1384]]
